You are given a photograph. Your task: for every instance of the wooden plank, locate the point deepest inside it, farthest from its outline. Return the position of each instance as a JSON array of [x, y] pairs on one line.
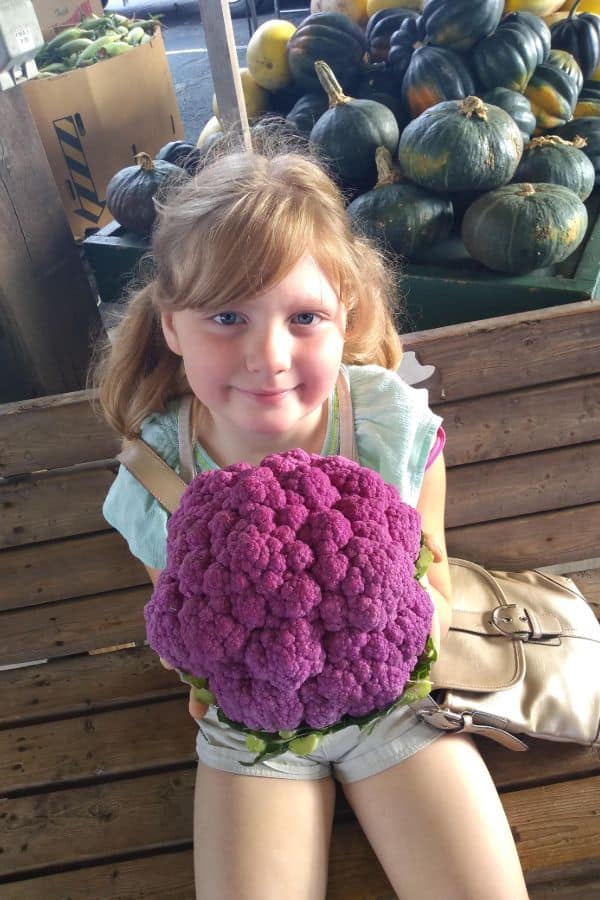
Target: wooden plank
[[222, 56], [577, 882], [525, 542], [93, 823], [83, 684], [48, 312], [47, 507], [509, 352], [545, 761], [58, 570], [522, 485], [588, 582], [165, 876], [53, 432], [525, 421], [557, 823], [116, 742], [73, 626]]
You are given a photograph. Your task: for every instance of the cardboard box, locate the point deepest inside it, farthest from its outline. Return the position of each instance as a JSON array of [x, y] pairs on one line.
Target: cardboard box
[[93, 120], [54, 15]]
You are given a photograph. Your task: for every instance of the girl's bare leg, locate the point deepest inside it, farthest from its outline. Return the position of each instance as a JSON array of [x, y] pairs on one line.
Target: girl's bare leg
[[261, 838], [438, 828]]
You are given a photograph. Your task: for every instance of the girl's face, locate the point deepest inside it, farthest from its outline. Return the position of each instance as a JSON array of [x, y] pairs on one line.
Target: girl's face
[[264, 367]]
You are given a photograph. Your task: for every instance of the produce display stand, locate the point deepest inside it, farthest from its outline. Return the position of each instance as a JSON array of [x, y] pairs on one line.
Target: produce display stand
[[96, 745]]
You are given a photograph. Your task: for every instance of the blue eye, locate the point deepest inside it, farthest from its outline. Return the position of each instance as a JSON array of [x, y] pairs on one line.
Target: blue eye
[[227, 318], [306, 318]]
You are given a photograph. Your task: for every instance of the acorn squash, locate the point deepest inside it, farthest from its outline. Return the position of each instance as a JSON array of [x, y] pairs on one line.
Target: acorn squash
[[553, 90], [553, 160], [589, 129], [521, 227], [378, 83], [588, 103], [350, 131], [330, 37], [305, 112], [461, 145], [266, 54], [516, 105], [182, 154], [400, 217], [427, 74], [509, 57], [459, 24], [380, 29], [580, 36]]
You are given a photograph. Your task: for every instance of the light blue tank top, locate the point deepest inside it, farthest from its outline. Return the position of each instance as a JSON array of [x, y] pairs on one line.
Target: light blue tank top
[[394, 427]]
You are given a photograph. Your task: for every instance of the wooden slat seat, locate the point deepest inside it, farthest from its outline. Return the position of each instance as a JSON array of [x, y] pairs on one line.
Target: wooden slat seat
[[96, 746]]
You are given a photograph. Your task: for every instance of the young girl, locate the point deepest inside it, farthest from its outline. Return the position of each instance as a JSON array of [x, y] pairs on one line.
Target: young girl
[[261, 293]]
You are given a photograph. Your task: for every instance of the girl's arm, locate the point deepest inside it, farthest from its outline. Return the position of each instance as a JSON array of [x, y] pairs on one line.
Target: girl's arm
[[432, 505], [197, 710]]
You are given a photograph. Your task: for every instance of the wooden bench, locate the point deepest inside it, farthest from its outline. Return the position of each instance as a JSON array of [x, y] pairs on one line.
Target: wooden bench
[[96, 746]]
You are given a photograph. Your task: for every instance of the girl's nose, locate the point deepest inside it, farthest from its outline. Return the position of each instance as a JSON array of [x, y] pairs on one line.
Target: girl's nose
[[269, 350]]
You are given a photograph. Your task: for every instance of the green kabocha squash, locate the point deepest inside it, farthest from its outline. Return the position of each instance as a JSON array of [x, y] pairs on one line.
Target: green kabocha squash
[[336, 40], [380, 28], [552, 160], [181, 154], [580, 36], [428, 74], [587, 128], [130, 192], [305, 112], [350, 131], [377, 83], [400, 217], [461, 145], [509, 57], [516, 105], [459, 24], [553, 90], [521, 227]]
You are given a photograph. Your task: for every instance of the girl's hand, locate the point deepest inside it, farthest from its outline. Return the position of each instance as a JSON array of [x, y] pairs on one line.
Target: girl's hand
[[196, 709]]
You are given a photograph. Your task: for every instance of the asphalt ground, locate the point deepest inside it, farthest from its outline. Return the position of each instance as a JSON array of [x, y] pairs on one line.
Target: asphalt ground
[[187, 54]]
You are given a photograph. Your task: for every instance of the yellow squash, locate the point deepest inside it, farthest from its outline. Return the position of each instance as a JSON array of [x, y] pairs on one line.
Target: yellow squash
[[354, 9], [257, 99], [592, 6], [266, 54], [374, 6], [213, 126], [539, 7]]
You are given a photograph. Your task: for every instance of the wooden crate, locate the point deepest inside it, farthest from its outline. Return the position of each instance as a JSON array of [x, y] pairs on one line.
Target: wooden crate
[[449, 288]]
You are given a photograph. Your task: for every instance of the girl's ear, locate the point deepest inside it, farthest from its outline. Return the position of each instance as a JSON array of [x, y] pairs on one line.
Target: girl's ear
[[170, 332]]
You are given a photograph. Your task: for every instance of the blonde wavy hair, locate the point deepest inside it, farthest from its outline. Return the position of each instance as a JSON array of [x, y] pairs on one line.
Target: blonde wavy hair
[[233, 231]]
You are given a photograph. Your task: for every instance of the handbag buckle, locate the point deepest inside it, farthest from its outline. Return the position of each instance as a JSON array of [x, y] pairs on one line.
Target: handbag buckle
[[444, 719], [512, 621]]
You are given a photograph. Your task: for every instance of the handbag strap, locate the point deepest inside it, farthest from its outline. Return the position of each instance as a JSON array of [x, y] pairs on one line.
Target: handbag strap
[[167, 486]]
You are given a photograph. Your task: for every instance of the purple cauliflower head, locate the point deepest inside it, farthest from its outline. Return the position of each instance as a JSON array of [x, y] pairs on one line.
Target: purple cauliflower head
[[290, 586]]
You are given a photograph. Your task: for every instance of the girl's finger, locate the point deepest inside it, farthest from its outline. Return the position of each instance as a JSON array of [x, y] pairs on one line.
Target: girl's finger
[[434, 546], [197, 710]]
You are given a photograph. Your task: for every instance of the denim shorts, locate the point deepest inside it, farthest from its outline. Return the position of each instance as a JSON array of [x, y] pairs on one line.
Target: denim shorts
[[347, 755]]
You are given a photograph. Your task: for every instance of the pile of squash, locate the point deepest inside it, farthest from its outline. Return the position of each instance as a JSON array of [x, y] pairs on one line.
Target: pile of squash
[[440, 115]]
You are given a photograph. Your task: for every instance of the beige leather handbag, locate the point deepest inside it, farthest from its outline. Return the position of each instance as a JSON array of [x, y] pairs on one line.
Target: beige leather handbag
[[522, 656]]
